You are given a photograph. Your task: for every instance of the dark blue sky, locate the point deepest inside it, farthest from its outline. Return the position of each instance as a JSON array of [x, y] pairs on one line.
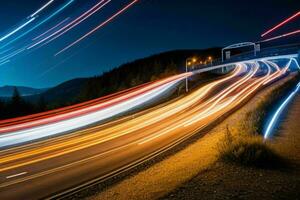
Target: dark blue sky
[[149, 27]]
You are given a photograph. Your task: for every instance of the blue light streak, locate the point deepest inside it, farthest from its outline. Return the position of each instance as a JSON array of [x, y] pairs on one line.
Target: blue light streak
[[17, 29], [296, 62], [279, 111], [5, 62], [39, 24]]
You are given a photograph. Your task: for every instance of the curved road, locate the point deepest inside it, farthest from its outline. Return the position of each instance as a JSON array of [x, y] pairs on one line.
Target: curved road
[[44, 168]]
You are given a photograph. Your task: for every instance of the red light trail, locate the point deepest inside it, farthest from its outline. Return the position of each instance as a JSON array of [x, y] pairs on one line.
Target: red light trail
[[281, 24], [282, 36], [54, 27], [74, 23], [98, 27]]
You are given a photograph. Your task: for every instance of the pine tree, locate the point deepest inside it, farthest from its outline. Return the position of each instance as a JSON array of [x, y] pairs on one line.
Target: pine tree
[[2, 110], [41, 105], [16, 98]]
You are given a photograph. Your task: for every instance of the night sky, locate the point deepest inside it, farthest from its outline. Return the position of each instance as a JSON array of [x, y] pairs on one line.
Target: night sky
[[148, 27]]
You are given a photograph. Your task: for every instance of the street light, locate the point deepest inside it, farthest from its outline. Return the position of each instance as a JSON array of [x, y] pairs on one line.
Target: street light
[[210, 59], [189, 62]]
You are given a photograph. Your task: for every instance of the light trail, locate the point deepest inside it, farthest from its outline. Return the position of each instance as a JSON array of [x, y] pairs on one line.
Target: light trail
[[219, 97], [282, 36], [188, 101], [42, 8], [95, 106], [296, 62], [54, 27], [67, 109], [67, 29], [118, 132], [15, 175], [183, 104], [105, 149], [98, 27], [6, 50], [17, 29], [277, 73], [65, 125], [5, 62], [281, 24], [74, 23], [258, 83], [245, 92], [12, 54], [41, 23], [279, 111]]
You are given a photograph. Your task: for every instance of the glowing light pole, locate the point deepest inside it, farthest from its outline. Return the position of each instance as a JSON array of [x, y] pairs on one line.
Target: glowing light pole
[[188, 62], [210, 59]]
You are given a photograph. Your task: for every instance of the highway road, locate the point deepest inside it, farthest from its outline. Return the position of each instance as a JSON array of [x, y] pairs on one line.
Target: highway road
[[60, 121], [42, 169]]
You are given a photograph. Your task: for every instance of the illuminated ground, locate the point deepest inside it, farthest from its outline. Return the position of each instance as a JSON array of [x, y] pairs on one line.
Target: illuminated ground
[[224, 181]]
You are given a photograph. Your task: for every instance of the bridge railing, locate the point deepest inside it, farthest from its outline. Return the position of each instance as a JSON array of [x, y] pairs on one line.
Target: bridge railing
[[264, 52]]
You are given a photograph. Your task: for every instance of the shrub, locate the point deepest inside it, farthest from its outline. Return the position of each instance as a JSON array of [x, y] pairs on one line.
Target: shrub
[[248, 151]]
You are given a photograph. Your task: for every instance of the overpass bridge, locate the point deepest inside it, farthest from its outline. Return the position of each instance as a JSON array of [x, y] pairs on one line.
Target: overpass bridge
[[221, 66]]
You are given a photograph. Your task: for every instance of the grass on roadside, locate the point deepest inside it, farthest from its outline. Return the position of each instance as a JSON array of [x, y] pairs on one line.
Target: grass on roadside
[[248, 151]]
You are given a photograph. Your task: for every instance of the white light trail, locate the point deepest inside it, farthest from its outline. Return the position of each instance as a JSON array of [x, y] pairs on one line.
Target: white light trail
[[74, 23], [67, 29], [39, 24], [15, 175], [17, 29], [85, 120], [42, 8]]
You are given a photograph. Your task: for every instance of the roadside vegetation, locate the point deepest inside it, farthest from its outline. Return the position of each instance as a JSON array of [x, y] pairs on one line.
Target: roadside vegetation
[[250, 151], [243, 144]]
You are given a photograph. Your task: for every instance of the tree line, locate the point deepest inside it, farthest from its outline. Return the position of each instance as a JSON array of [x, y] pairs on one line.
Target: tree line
[[16, 106]]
